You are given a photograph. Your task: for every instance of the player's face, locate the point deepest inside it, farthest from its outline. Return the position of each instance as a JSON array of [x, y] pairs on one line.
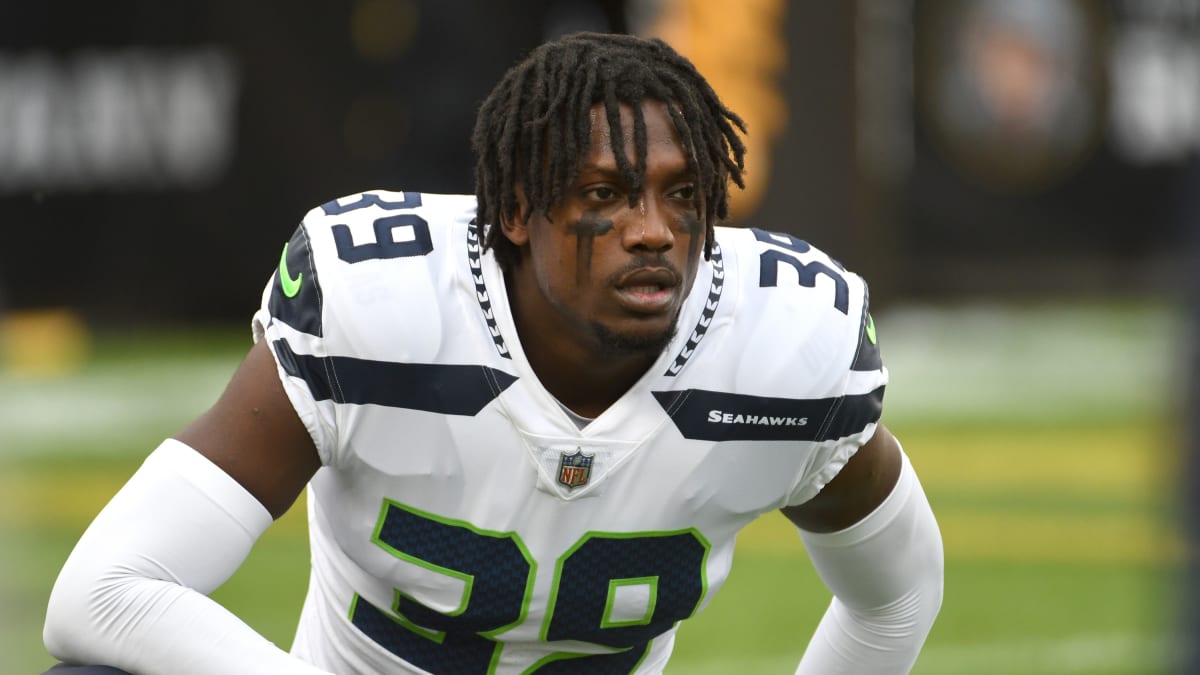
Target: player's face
[[613, 274]]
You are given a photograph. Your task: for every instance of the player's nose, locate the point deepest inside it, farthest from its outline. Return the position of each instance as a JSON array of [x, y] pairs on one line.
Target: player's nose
[[648, 226]]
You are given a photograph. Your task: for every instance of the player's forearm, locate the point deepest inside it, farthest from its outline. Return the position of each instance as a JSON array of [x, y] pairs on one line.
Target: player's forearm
[[132, 593], [157, 627], [886, 576]]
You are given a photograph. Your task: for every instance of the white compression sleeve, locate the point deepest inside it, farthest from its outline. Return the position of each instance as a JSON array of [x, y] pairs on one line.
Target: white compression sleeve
[[885, 573], [132, 593]]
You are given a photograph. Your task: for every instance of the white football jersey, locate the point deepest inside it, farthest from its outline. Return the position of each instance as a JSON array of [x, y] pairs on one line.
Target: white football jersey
[[464, 523]]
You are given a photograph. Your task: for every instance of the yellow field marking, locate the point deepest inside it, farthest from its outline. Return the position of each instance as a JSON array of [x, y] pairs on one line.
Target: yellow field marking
[[41, 499], [1063, 538], [1126, 461], [1134, 462], [44, 342], [34, 498], [1029, 537], [74, 498]]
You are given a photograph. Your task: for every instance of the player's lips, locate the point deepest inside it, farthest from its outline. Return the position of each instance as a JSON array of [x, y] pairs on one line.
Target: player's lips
[[648, 290]]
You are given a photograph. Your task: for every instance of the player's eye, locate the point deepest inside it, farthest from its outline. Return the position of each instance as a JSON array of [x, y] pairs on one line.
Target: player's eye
[[686, 193], [600, 193]]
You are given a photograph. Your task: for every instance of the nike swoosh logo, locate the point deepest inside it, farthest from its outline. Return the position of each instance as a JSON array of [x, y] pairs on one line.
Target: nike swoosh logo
[[287, 284], [870, 326]]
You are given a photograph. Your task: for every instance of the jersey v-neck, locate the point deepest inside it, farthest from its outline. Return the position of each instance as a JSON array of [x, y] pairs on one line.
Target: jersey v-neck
[[634, 414]]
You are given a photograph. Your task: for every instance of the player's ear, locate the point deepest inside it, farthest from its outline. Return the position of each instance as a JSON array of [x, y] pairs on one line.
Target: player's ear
[[516, 226]]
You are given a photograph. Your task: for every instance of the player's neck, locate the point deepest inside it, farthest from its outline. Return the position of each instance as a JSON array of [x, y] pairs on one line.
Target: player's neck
[[587, 383], [569, 361]]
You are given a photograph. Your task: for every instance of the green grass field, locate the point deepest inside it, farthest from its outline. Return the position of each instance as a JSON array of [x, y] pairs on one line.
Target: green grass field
[[1043, 435]]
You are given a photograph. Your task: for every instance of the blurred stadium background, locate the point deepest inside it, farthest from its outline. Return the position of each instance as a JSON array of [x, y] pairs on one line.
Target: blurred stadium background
[[1019, 180]]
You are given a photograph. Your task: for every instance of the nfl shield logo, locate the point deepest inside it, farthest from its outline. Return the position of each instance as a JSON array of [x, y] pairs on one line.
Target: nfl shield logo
[[574, 469]]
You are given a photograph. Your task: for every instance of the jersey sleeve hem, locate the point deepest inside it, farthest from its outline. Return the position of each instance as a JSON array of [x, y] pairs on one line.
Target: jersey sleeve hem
[[814, 482], [865, 373], [297, 391]]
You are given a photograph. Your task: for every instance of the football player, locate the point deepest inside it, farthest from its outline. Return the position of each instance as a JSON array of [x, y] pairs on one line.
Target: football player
[[531, 420]]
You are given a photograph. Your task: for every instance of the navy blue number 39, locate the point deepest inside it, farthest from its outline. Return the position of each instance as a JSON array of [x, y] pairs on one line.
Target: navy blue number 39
[[498, 574], [386, 245], [770, 260]]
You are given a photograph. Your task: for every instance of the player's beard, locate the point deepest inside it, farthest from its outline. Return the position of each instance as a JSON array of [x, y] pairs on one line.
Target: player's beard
[[613, 343]]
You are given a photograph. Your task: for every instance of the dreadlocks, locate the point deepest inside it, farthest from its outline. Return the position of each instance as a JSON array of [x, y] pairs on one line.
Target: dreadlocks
[[534, 128]]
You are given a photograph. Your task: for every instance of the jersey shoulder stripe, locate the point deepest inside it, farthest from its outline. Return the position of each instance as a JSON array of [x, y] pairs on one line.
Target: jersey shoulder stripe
[[720, 416], [371, 313], [796, 362], [449, 389]]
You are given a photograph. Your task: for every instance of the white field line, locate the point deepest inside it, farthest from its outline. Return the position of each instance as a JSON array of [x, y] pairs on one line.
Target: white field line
[[1079, 654], [1084, 654], [1037, 363], [107, 404]]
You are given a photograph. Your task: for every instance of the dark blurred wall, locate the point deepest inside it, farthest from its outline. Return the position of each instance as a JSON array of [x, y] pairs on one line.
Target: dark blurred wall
[[1009, 148], [809, 189], [155, 156], [1052, 145]]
